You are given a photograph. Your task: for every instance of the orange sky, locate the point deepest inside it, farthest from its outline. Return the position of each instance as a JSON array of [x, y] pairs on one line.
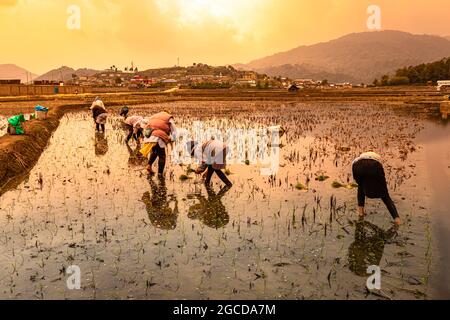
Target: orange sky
[[154, 33]]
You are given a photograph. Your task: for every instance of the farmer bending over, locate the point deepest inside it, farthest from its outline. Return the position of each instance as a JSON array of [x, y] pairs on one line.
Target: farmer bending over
[[135, 125], [124, 112], [162, 132], [99, 114], [212, 156], [368, 172]]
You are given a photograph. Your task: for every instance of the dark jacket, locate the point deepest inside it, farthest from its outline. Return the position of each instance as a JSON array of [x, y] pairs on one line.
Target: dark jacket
[[96, 111], [370, 177]]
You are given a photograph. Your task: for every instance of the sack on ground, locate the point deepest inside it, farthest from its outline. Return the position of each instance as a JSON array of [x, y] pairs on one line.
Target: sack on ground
[[16, 124], [41, 112]]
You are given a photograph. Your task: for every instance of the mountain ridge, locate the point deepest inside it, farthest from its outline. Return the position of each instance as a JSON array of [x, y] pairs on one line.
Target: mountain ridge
[[65, 73], [11, 71], [356, 57]]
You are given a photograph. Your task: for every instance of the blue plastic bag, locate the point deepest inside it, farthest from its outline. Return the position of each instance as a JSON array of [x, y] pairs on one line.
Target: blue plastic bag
[[41, 108]]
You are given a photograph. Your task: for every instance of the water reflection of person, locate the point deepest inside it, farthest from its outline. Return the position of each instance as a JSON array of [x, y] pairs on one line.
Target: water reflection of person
[[136, 158], [368, 247], [100, 114], [158, 206], [101, 144], [211, 211]]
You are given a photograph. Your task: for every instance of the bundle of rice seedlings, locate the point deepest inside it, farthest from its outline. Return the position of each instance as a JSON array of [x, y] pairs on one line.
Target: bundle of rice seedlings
[[184, 177], [337, 184], [322, 178], [300, 186]]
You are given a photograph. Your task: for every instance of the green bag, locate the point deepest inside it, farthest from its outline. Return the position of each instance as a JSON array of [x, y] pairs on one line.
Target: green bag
[[16, 122]]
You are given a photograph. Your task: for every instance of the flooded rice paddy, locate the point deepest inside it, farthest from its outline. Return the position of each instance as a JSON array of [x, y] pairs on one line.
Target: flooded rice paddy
[[88, 202]]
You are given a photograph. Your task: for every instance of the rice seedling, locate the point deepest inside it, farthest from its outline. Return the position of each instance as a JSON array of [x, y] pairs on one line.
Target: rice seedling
[[337, 184], [301, 186], [184, 177], [352, 185], [322, 178]]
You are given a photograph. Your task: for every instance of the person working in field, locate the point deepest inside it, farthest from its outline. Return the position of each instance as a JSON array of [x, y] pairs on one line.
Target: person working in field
[[124, 112], [161, 131], [369, 174], [212, 157], [99, 114], [135, 125]]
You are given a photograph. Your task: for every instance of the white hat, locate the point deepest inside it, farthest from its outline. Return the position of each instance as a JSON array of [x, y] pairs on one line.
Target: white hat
[[368, 156]]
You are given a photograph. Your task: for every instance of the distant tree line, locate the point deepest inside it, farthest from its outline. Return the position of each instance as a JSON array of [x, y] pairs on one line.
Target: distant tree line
[[422, 74]]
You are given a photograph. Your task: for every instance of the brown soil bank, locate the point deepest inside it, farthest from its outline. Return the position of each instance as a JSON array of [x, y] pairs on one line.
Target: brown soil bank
[[18, 154]]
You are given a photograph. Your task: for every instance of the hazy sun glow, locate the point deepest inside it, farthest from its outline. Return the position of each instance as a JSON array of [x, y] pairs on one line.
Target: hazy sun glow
[[236, 16], [199, 11], [154, 33]]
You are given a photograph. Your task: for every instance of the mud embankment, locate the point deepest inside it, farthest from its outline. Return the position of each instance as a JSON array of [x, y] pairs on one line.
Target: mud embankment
[[18, 154]]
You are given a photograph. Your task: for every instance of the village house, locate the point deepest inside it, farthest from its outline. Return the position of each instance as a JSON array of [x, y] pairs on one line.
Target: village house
[[305, 83], [249, 75], [10, 81], [245, 83], [293, 88], [343, 85], [46, 83], [137, 79]]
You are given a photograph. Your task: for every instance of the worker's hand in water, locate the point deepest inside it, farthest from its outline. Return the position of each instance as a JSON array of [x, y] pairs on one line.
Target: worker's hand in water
[[361, 211], [201, 173], [397, 221], [200, 169]]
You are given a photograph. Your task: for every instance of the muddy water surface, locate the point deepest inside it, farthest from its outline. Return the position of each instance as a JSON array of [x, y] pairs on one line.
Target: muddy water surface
[[88, 202], [436, 141]]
